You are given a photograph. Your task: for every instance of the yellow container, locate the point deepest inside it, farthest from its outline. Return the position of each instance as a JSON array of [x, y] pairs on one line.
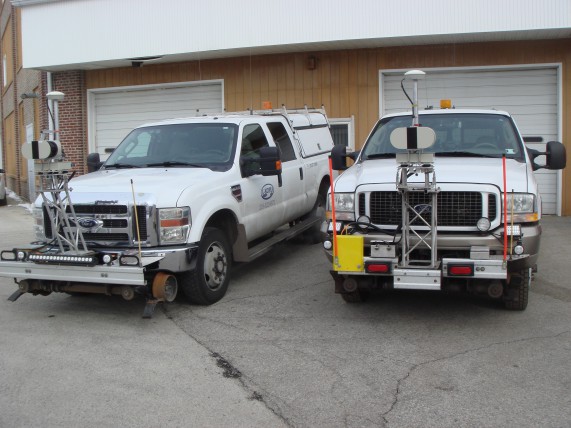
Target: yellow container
[[349, 253]]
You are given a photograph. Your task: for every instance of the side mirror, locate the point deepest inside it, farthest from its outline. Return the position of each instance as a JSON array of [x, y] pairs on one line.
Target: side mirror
[[270, 163], [555, 156], [1, 171], [339, 157], [93, 162], [266, 163]]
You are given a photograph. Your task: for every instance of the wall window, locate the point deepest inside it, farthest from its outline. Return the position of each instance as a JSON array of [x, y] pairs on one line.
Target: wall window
[[18, 38], [10, 146], [7, 69], [342, 131], [23, 172]]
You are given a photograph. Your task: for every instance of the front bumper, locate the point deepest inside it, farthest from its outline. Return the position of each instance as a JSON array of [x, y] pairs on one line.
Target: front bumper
[[115, 272], [468, 246]]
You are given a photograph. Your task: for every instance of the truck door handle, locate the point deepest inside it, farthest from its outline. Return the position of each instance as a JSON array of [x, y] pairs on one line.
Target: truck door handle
[[301, 173]]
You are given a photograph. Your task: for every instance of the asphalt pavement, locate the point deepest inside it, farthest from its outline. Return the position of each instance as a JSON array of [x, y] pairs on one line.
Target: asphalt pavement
[[282, 349], [92, 361]]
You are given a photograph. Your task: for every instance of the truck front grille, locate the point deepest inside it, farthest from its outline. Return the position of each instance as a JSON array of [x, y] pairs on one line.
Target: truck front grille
[[115, 223], [99, 209], [456, 209], [115, 237]]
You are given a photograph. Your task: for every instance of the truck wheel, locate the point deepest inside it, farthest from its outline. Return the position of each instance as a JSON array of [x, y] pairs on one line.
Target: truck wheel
[[518, 290], [314, 234], [208, 283], [357, 296]]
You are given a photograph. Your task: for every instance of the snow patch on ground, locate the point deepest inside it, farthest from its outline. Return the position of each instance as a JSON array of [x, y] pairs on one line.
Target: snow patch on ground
[[15, 197]]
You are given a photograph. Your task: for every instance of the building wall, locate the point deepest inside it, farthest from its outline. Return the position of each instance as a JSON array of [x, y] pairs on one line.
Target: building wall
[[17, 112], [72, 116], [6, 91], [345, 82]]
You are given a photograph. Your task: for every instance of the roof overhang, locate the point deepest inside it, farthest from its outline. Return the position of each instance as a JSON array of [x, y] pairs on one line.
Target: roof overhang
[[83, 34]]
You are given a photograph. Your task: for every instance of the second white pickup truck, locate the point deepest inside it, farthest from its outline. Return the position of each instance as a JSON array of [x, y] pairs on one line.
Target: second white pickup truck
[[441, 199]]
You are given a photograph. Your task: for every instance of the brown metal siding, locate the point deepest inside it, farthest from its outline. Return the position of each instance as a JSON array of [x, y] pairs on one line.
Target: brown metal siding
[[346, 81]]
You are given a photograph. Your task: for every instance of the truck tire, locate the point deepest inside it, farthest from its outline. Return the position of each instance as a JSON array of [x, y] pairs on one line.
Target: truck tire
[[518, 290], [314, 234], [357, 296], [208, 283]]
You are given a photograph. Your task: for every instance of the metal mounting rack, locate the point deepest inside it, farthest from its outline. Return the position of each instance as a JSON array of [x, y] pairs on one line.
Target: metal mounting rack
[[54, 189], [411, 213], [415, 162], [54, 174]]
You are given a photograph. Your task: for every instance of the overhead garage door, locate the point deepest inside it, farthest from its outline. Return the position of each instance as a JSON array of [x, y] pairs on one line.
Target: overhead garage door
[[114, 112], [530, 95]]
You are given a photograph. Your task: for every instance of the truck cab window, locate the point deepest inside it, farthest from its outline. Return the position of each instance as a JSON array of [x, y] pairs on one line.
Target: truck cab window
[[253, 139], [281, 137], [135, 147], [481, 134]]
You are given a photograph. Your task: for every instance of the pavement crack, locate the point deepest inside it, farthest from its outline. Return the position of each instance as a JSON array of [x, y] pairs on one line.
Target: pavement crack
[[230, 371], [414, 367]]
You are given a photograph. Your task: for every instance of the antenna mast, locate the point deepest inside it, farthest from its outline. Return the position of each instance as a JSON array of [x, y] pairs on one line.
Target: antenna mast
[[416, 209]]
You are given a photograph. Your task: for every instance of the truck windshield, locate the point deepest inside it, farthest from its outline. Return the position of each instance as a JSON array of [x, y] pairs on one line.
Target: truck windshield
[[457, 134], [177, 145]]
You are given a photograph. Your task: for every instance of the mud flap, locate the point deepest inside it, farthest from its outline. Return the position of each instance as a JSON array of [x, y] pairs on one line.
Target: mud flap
[[338, 282]]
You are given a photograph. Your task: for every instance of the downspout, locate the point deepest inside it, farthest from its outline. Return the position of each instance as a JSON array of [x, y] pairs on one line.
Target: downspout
[[51, 124]]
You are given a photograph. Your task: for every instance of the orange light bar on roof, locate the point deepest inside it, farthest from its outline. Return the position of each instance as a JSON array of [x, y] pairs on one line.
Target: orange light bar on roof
[[445, 103]]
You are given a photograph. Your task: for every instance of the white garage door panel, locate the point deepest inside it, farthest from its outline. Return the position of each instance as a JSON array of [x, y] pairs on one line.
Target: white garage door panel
[[529, 95], [116, 112]]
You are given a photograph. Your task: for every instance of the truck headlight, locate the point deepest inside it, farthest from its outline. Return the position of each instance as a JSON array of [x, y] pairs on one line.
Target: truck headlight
[[39, 231], [523, 207], [174, 225], [344, 206]]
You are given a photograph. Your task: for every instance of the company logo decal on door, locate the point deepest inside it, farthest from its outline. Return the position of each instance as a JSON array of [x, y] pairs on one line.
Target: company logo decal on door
[[267, 191]]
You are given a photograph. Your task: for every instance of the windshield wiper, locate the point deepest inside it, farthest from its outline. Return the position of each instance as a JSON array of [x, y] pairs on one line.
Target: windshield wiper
[[122, 165], [380, 155], [177, 163], [467, 155]]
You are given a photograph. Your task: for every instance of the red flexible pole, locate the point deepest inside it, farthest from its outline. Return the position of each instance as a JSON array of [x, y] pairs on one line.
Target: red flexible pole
[[333, 218], [505, 208]]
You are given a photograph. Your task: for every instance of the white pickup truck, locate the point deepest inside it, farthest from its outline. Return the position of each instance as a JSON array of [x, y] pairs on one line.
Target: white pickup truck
[[470, 220], [176, 203]]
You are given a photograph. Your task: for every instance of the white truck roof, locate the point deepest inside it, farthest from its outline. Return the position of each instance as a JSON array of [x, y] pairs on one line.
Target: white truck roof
[[451, 111], [297, 119]]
